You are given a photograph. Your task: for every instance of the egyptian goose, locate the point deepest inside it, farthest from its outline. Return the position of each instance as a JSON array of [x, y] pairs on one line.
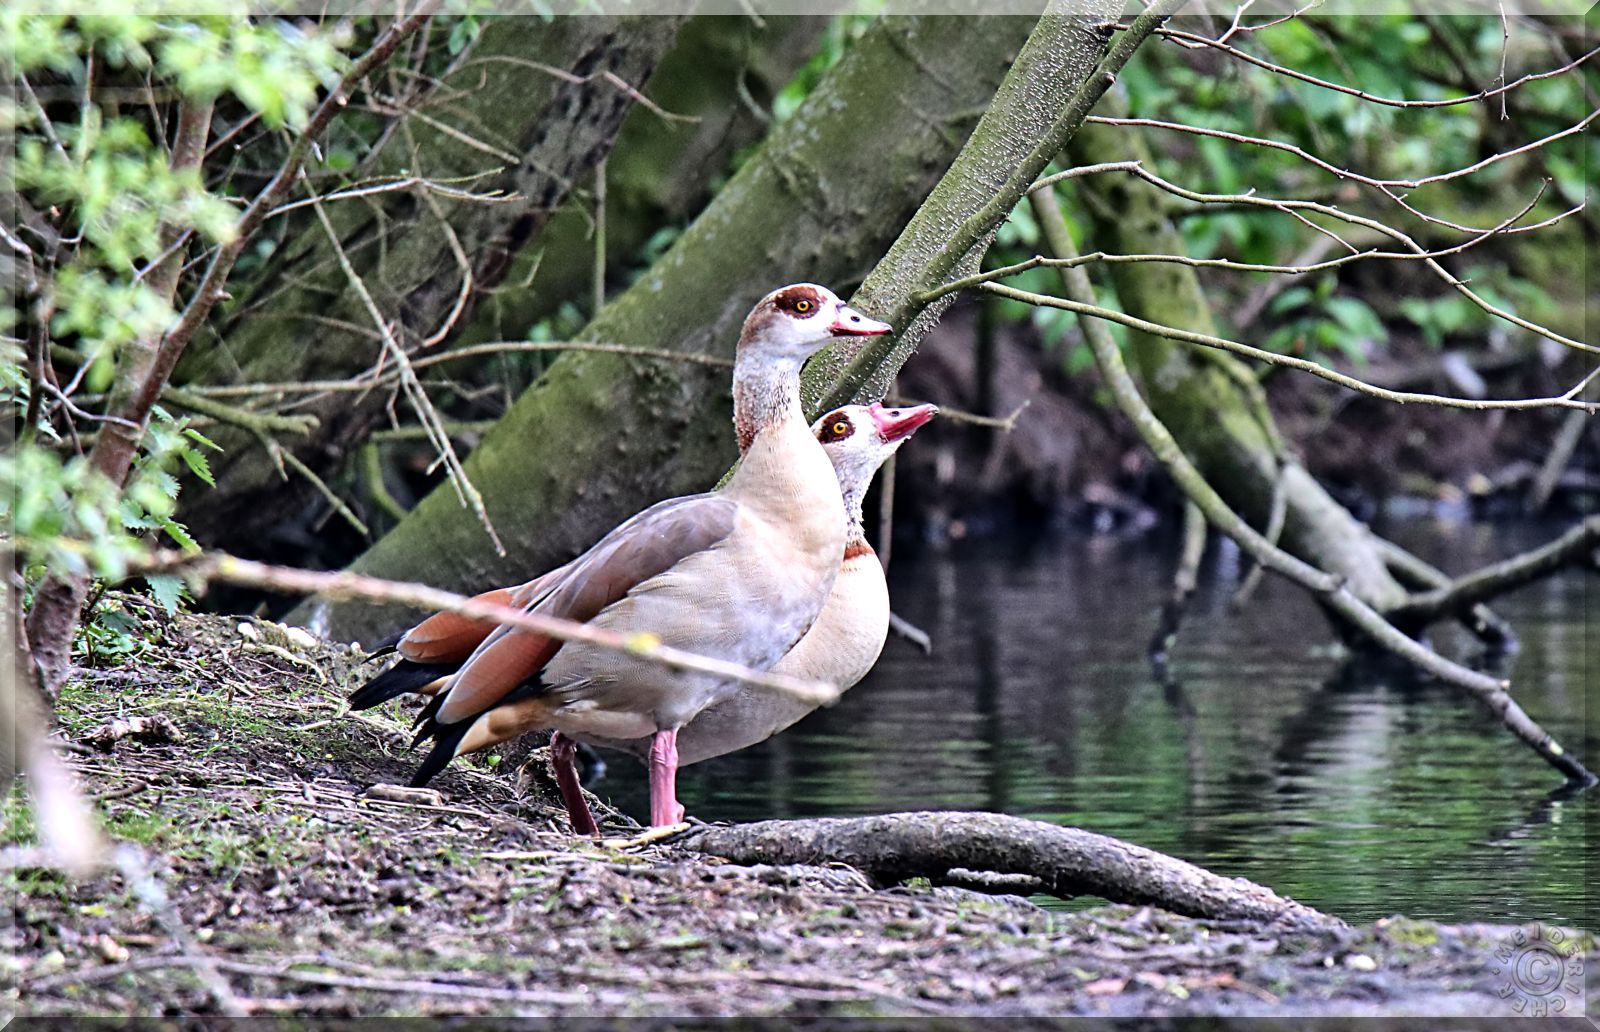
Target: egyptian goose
[[739, 574], [841, 646]]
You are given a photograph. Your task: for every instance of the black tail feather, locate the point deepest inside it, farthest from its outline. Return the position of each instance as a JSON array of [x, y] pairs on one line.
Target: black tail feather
[[387, 645], [424, 723], [447, 737], [405, 676]]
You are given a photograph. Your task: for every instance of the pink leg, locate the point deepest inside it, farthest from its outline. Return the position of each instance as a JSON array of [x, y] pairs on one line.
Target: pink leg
[[664, 808], [562, 753]]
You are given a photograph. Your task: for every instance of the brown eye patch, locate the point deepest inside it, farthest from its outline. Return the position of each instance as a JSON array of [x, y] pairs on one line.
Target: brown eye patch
[[835, 428], [802, 301]]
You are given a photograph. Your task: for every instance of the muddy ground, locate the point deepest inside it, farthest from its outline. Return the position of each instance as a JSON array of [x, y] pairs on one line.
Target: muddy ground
[[273, 884]]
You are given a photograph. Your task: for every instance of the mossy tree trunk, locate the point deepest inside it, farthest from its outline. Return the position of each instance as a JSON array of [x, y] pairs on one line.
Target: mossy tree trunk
[[538, 132], [1203, 396], [601, 436]]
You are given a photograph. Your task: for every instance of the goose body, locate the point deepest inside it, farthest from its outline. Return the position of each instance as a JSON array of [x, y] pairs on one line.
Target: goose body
[[739, 574]]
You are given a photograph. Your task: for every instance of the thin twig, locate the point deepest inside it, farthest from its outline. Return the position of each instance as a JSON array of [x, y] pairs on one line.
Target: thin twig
[[219, 566], [1344, 173], [1295, 207], [1278, 69], [1567, 400], [1277, 515], [599, 286], [287, 455], [210, 289], [466, 491]]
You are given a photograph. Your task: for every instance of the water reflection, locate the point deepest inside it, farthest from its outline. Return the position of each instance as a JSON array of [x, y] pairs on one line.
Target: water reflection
[[1351, 785]]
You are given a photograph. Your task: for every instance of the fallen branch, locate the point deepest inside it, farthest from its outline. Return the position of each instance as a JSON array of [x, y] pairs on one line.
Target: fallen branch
[[1000, 850], [1415, 573], [1496, 579], [156, 729]]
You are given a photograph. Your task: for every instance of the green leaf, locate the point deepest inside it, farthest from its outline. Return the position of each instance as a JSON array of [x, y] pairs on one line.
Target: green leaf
[[179, 533], [167, 590], [196, 461], [194, 435]]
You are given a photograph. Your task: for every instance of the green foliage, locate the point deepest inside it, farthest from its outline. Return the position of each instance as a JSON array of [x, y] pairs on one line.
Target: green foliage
[[1314, 320], [1363, 310], [111, 208], [111, 634]]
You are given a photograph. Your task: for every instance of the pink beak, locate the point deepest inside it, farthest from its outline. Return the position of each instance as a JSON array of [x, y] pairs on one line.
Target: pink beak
[[851, 323], [893, 424]]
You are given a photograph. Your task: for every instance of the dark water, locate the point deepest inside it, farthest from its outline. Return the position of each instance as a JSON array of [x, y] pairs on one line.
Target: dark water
[[1358, 791]]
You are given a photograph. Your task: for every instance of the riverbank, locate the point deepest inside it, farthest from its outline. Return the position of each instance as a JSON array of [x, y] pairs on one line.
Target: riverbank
[[289, 889]]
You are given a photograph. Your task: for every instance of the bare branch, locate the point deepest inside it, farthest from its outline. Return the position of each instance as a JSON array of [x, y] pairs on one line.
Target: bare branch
[[1295, 207], [1488, 626], [1178, 35], [210, 291], [1567, 400], [1492, 581], [466, 492], [1295, 269], [1344, 173], [406, 183]]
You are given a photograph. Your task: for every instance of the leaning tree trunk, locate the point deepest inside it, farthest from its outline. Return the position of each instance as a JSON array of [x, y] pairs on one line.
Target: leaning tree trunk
[[600, 436], [1201, 395], [538, 132]]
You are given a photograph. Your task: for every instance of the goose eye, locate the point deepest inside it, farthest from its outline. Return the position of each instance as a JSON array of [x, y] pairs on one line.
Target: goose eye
[[802, 306], [839, 429]]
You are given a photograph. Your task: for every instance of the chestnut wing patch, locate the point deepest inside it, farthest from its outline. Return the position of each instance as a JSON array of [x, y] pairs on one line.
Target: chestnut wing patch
[[649, 544]]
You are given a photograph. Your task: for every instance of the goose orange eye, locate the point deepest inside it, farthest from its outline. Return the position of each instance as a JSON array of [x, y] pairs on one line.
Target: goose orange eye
[[840, 428], [802, 307]]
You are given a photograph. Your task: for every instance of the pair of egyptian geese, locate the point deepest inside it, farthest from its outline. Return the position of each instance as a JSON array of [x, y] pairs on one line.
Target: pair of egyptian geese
[[750, 574]]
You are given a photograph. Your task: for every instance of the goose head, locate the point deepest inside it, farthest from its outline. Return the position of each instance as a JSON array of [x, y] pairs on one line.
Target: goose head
[[794, 322], [859, 438]]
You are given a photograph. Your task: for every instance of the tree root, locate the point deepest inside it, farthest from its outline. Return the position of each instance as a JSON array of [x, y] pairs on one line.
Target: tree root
[[994, 852]]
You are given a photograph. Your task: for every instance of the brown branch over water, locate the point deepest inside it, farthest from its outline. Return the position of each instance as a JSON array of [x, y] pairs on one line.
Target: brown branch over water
[[1490, 582], [1064, 862], [1331, 591], [1416, 573]]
